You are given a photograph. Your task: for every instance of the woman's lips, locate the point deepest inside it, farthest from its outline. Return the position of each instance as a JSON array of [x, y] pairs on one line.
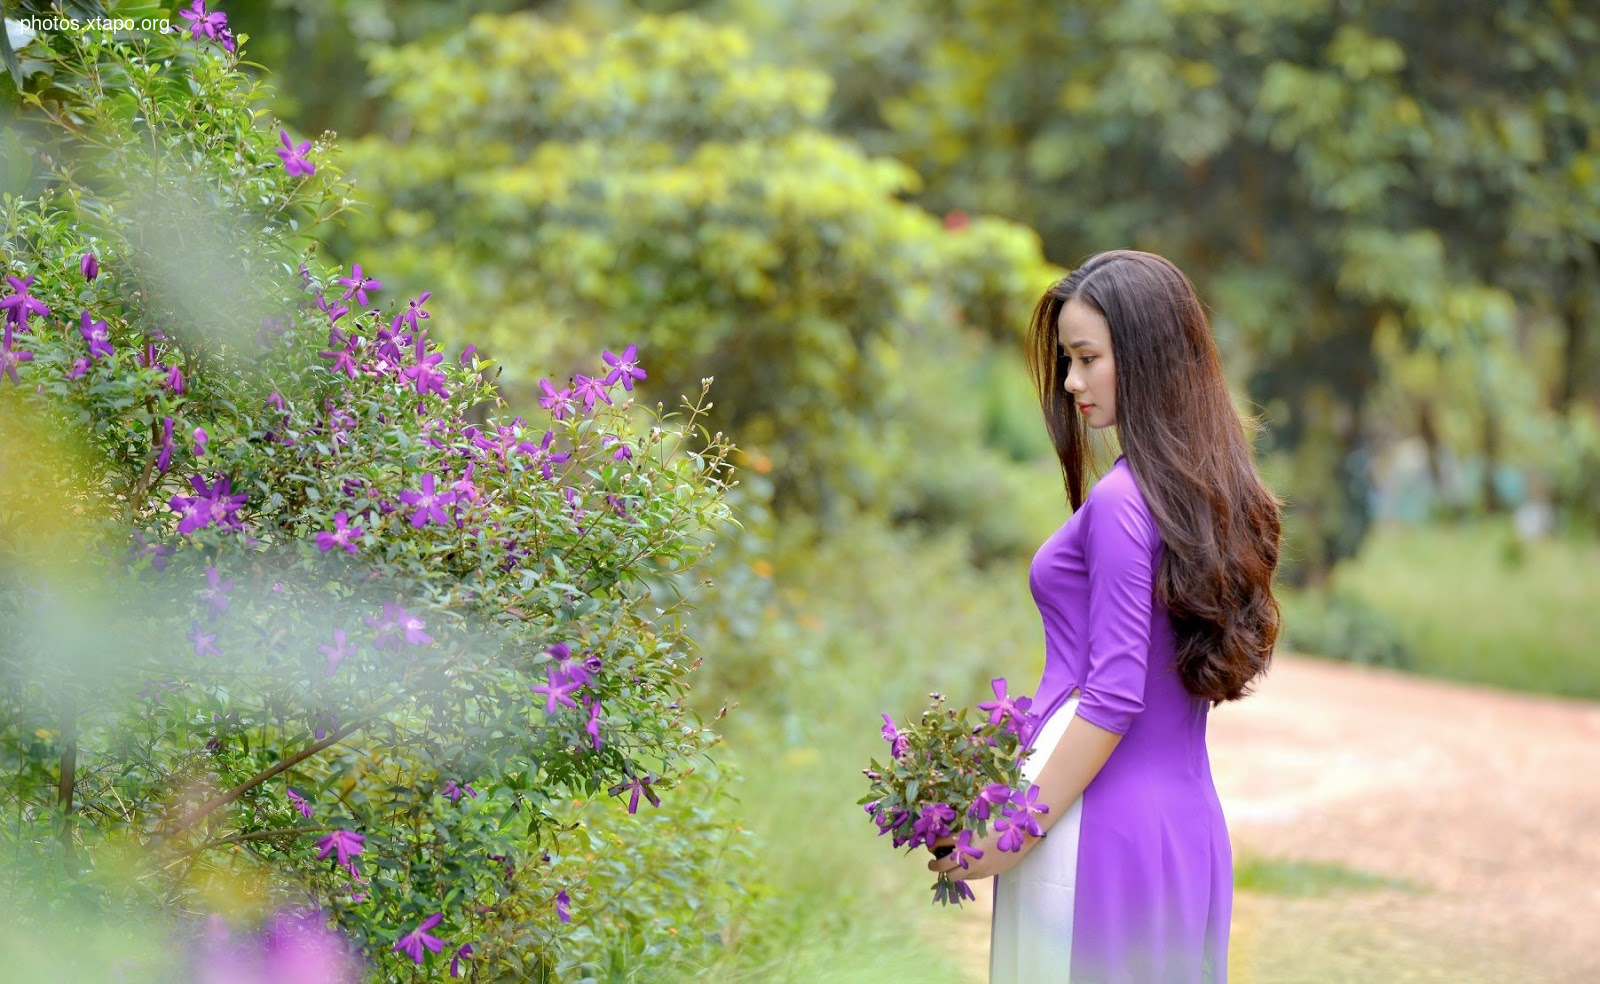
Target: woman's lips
[[1085, 407]]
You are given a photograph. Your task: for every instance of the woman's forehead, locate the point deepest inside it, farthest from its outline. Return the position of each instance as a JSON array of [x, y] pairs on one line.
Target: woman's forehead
[[1080, 322]]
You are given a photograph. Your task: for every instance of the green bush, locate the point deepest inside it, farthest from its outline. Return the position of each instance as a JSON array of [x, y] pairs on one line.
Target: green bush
[[1343, 627], [278, 576]]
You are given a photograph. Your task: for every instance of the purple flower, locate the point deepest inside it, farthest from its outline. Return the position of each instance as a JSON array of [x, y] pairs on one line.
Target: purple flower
[[174, 381], [558, 402], [208, 505], [80, 367], [424, 375], [344, 844], [299, 803], [1012, 710], [98, 335], [964, 849], [557, 688], [202, 21], [564, 904], [11, 358], [897, 741], [164, 459], [1017, 820], [589, 390], [90, 266], [428, 503], [413, 942], [343, 534], [216, 595], [464, 952], [624, 367], [468, 354], [342, 350], [21, 306], [295, 161], [204, 642], [951, 891], [637, 785], [932, 823], [1027, 807], [200, 440], [357, 284], [413, 313], [993, 795], [452, 791], [336, 653]]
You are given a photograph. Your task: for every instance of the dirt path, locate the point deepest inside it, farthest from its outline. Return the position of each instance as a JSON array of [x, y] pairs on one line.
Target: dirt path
[[1487, 802]]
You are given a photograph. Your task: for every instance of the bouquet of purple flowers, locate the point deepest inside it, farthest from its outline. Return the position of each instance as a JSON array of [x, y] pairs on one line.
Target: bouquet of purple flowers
[[949, 778]]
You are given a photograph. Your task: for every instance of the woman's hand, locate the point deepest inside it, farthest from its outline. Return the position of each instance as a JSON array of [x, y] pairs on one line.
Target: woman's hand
[[993, 861]]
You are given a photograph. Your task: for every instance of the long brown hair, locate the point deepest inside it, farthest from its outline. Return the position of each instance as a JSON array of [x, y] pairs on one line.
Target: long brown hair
[[1191, 454]]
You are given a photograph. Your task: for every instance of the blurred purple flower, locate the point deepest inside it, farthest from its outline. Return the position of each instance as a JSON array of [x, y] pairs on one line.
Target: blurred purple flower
[[464, 952], [336, 653], [395, 625], [592, 726], [412, 943], [299, 803], [564, 906], [80, 367], [216, 594], [204, 642], [452, 791], [637, 785], [625, 368], [164, 459], [89, 265], [468, 354], [174, 380], [295, 162], [98, 335], [11, 358], [200, 440]]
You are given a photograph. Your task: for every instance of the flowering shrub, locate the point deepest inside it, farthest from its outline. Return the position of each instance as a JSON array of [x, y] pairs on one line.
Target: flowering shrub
[[949, 778], [288, 604]]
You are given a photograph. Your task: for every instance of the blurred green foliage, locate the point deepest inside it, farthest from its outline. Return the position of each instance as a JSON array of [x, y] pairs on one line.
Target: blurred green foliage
[[660, 185]]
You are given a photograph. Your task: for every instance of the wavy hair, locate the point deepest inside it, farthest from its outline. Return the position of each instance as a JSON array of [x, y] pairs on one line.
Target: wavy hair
[[1191, 453]]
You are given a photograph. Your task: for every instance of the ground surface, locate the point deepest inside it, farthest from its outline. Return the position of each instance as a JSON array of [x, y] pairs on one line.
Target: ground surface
[[1485, 803]]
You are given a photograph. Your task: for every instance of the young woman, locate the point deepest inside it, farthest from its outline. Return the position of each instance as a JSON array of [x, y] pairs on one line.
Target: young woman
[[1157, 604]]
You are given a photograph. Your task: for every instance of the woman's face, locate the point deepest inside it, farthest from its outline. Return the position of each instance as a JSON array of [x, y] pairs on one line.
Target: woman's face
[[1084, 340]]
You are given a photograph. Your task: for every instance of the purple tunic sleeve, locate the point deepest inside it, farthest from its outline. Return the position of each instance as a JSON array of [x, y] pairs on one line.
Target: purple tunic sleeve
[[1121, 550]]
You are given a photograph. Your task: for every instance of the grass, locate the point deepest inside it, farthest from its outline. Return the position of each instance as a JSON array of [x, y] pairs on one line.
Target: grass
[[1475, 607], [1288, 876]]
